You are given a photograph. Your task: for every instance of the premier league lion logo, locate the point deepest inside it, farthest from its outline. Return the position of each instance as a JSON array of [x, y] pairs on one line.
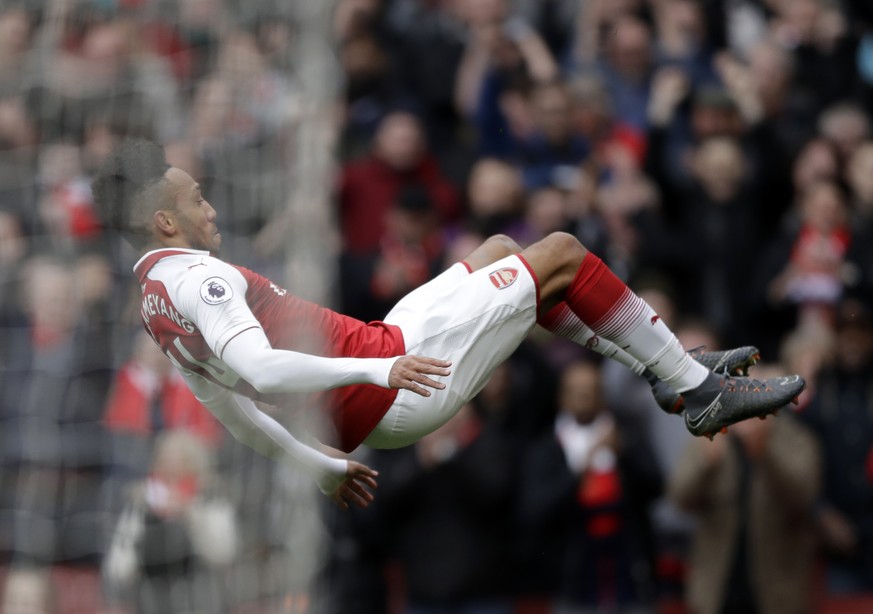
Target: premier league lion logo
[[215, 290]]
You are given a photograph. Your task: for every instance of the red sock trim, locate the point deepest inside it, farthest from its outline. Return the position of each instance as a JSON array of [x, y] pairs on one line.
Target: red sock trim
[[532, 274], [595, 290], [467, 264], [549, 319]]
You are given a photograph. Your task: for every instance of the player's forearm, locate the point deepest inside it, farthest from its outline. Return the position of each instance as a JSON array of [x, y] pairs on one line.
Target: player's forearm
[[265, 435], [262, 433], [270, 370], [286, 371]]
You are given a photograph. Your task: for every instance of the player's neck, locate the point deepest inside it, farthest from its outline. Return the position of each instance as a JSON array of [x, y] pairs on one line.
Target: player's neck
[[165, 243]]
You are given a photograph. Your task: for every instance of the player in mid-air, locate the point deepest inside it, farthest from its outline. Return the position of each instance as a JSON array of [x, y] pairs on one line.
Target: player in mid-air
[[237, 338]]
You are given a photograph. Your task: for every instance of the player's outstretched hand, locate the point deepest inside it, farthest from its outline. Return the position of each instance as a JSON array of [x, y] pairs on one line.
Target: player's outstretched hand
[[354, 488], [411, 373]]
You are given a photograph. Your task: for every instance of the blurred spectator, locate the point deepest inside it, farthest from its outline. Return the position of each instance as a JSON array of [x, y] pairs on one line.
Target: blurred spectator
[[520, 398], [65, 209], [431, 41], [199, 24], [28, 590], [505, 58], [846, 126], [372, 91], [13, 247], [808, 269], [57, 374], [816, 162], [16, 31], [752, 493], [261, 95], [734, 109], [408, 255], [146, 399], [629, 206], [713, 245], [18, 152], [494, 196], [553, 148], [446, 502], [241, 116], [681, 37], [410, 247], [788, 110], [355, 17], [100, 69], [368, 187], [360, 577], [594, 120], [807, 351], [546, 212], [176, 534], [626, 68], [859, 176], [584, 500], [840, 416], [555, 20], [822, 45]]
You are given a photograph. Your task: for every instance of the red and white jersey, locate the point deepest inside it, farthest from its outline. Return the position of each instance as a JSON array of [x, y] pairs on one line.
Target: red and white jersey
[[193, 304]]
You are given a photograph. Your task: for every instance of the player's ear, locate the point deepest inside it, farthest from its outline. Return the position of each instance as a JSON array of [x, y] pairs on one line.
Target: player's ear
[[164, 222]]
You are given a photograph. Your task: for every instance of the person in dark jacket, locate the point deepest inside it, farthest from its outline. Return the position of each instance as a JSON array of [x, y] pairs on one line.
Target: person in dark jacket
[[584, 496], [841, 416]]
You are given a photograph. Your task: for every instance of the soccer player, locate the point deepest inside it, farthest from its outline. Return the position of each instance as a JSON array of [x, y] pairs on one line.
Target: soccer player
[[237, 338]]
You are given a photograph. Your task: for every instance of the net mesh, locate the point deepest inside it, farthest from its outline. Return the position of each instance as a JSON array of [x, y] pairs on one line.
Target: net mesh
[[118, 491]]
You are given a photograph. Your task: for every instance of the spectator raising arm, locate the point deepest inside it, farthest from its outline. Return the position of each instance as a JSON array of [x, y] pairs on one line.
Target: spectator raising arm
[[500, 47]]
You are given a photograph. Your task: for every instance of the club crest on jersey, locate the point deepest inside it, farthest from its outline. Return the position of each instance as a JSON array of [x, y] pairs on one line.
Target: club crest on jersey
[[503, 278], [215, 291]]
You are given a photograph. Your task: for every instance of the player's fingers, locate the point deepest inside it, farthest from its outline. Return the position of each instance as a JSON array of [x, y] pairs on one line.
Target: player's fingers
[[426, 381], [420, 372], [368, 480], [354, 497], [413, 387], [357, 470], [361, 491], [435, 361], [433, 369]]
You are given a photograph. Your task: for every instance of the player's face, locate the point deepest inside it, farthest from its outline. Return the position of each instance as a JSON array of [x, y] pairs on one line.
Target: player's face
[[195, 217]]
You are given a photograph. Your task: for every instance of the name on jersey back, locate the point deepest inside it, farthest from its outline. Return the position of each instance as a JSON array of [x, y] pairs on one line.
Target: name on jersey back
[[157, 305]]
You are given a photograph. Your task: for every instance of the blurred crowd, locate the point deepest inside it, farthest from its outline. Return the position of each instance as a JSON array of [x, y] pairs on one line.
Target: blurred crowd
[[717, 154]]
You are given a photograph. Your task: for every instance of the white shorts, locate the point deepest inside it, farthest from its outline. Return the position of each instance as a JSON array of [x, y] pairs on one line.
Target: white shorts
[[476, 320]]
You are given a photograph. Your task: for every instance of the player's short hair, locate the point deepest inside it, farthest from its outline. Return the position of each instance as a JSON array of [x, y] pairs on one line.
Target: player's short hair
[[129, 187]]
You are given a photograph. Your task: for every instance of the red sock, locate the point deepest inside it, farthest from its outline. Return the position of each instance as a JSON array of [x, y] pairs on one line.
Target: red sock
[[610, 309], [561, 321], [599, 298]]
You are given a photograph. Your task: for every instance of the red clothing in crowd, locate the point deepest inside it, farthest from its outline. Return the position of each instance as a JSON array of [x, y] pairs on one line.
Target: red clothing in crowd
[[368, 190], [136, 391]]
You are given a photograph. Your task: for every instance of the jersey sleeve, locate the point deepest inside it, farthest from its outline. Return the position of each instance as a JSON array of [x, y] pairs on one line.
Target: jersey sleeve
[[213, 297], [262, 433]]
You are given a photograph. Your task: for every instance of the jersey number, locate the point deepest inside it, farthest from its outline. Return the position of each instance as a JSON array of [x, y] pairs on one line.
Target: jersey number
[[215, 368]]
